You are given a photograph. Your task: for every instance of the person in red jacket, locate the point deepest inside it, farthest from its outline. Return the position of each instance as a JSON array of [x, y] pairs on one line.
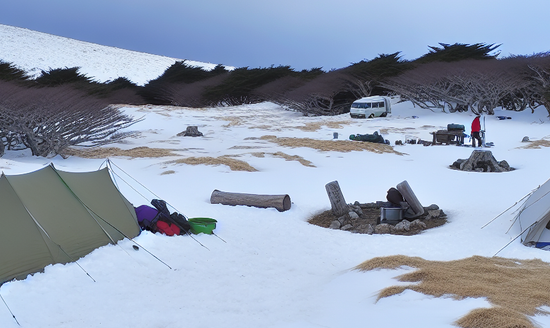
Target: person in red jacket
[[476, 128]]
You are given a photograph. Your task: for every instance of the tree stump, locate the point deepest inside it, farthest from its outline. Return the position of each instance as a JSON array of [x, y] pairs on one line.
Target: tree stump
[[482, 161], [191, 131], [280, 202], [337, 201]]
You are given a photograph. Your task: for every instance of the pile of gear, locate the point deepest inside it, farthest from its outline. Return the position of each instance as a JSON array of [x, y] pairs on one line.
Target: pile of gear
[[159, 219], [375, 137]]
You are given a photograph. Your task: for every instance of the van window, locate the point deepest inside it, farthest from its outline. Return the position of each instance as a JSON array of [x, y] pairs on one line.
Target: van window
[[360, 105], [374, 105], [381, 104]]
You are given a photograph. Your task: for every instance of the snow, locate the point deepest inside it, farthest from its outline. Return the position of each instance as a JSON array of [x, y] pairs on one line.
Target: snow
[[35, 52], [272, 269]]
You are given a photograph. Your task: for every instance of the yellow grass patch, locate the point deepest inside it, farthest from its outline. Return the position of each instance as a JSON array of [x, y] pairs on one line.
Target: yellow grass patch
[[287, 157], [234, 164], [332, 145], [516, 288], [114, 151], [314, 126], [537, 144]]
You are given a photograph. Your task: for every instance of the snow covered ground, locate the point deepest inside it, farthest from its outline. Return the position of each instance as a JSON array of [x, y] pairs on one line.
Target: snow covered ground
[[36, 51], [273, 269]]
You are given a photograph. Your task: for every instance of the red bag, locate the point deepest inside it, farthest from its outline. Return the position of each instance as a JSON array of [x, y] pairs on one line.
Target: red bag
[[167, 228]]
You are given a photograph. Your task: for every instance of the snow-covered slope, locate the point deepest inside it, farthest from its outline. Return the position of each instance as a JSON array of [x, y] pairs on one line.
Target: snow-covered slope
[[35, 51]]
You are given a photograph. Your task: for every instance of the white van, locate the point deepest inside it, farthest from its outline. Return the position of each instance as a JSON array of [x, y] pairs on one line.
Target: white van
[[369, 107]]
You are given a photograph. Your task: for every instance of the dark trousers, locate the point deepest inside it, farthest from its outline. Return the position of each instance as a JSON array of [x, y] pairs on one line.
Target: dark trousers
[[476, 136]]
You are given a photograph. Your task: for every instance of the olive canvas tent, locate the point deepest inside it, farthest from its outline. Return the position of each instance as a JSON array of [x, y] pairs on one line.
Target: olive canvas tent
[[50, 216]]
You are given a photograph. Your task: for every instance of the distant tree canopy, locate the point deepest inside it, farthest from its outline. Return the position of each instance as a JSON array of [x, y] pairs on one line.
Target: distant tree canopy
[[8, 72], [458, 51], [62, 107]]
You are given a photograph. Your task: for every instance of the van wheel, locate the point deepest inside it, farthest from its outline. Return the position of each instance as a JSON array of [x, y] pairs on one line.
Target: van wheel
[[383, 114], [371, 116]]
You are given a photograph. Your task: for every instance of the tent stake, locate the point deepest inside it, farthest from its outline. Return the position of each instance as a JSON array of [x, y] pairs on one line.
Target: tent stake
[[6, 304]]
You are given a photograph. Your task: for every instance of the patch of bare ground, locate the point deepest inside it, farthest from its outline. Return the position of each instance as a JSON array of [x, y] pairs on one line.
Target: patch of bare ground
[[332, 145], [537, 144], [168, 172], [233, 164], [105, 152], [371, 215], [287, 157], [516, 288]]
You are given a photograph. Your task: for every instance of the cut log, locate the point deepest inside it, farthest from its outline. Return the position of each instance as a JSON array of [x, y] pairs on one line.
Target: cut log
[[410, 198], [280, 202], [337, 201]]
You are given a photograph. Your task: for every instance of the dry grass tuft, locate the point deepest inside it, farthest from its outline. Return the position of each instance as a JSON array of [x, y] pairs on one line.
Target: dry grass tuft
[[332, 145], [114, 151], [314, 126], [516, 288], [234, 164], [287, 157], [537, 144], [168, 172]]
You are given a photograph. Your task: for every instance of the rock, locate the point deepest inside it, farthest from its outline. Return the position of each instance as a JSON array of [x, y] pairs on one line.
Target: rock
[[433, 214], [343, 219], [353, 215], [335, 224], [403, 226], [504, 165], [431, 207], [346, 227], [417, 224], [525, 139]]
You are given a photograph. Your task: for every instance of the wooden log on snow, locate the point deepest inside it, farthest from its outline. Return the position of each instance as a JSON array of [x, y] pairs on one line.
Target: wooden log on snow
[[280, 202], [337, 201]]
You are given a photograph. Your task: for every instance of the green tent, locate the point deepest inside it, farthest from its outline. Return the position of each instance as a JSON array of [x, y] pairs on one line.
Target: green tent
[[50, 216]]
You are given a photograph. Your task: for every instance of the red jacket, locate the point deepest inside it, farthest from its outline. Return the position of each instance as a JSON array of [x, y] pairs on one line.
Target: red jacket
[[476, 126]]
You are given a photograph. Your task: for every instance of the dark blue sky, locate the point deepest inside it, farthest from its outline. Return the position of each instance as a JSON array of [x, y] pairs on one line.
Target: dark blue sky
[[300, 33]]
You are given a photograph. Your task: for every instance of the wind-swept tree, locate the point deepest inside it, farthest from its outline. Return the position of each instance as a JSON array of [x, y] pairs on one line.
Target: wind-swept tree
[[48, 120]]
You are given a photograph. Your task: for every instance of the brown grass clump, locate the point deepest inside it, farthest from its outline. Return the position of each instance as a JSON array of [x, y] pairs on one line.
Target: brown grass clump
[[332, 145], [537, 144], [314, 126], [234, 164], [516, 288], [114, 151], [287, 157]]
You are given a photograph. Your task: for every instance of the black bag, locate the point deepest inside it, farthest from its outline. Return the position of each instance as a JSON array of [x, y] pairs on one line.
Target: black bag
[[394, 197], [175, 218]]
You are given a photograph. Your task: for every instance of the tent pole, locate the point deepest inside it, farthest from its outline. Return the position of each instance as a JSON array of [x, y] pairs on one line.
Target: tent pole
[[506, 210], [6, 304], [516, 237]]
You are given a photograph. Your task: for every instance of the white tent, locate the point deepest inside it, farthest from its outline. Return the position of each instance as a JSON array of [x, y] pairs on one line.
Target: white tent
[[534, 218]]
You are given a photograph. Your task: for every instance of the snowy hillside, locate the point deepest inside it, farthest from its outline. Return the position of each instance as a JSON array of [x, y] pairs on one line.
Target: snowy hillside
[[35, 51]]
